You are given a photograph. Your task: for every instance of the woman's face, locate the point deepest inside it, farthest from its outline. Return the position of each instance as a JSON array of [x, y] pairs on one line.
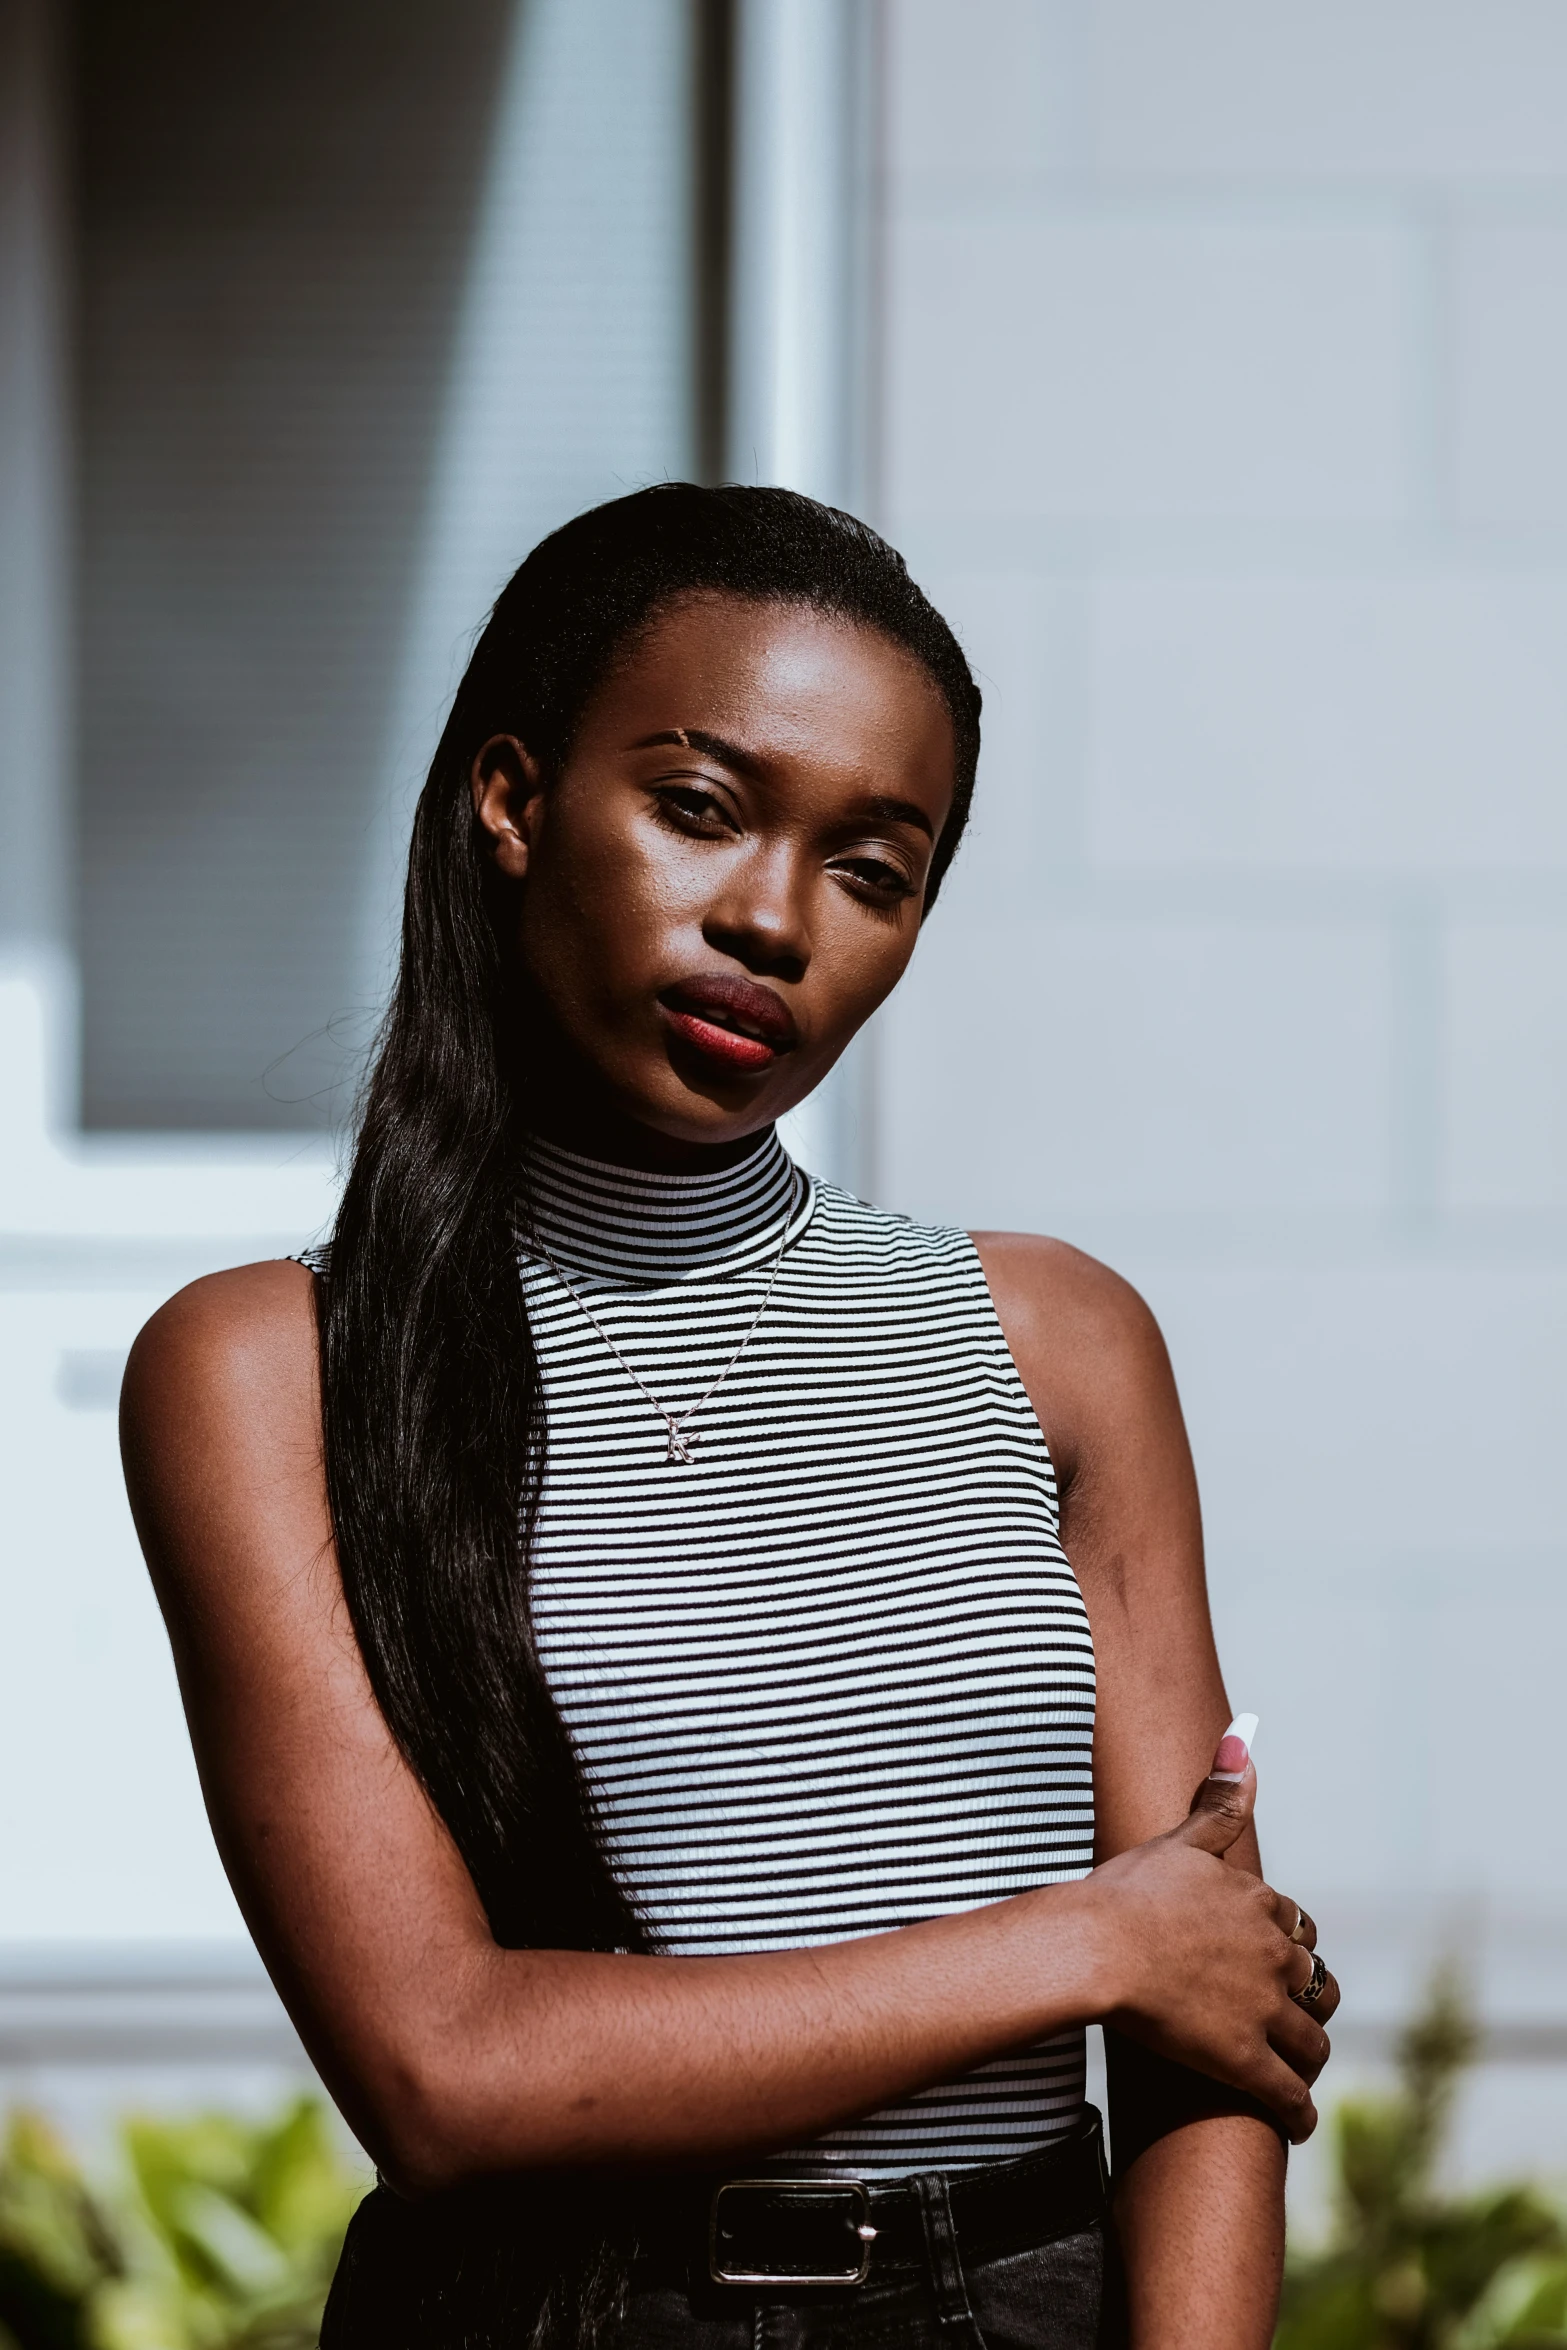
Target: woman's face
[[728, 876]]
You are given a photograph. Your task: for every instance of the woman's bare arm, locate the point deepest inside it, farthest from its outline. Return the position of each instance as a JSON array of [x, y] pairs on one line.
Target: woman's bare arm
[[452, 2056], [1201, 2211]]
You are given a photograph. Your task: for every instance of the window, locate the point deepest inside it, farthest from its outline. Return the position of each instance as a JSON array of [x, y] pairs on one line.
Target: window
[[370, 294]]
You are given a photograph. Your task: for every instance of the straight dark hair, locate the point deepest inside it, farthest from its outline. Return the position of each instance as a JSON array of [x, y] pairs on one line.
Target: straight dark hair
[[433, 1410]]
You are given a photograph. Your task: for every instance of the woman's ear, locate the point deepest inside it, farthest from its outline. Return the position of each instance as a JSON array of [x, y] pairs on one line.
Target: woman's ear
[[508, 798]]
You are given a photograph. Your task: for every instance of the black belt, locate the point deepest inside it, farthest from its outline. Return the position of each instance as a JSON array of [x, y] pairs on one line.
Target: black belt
[[832, 2230]]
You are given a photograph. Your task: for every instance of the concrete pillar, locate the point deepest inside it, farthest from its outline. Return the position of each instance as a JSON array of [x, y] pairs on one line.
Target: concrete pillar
[[796, 366], [794, 238]]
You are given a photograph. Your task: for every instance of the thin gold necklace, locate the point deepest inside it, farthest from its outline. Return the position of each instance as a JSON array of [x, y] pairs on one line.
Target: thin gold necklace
[[677, 1424]]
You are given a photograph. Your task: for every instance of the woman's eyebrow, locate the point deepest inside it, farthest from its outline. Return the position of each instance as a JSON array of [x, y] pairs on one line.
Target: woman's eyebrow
[[693, 738], [884, 811]]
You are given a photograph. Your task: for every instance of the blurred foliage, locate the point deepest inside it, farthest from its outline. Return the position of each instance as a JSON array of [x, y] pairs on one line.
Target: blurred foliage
[[222, 2235], [1406, 2267]]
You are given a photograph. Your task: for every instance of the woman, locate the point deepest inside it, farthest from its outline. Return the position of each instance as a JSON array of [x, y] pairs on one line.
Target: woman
[[702, 1783]]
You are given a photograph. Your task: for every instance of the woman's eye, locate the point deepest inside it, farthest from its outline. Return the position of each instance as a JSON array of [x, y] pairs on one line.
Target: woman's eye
[[878, 875], [690, 809]]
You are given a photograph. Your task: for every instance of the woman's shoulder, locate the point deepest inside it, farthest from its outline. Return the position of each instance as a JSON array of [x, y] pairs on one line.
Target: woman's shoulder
[[1039, 1276], [225, 1315], [1086, 1344], [225, 1350], [220, 1433]]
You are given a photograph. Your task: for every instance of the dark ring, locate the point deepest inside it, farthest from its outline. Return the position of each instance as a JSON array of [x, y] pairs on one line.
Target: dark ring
[[1314, 1985]]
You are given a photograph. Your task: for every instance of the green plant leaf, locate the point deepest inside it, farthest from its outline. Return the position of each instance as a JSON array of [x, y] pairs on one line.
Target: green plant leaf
[[225, 2236], [1406, 2268]]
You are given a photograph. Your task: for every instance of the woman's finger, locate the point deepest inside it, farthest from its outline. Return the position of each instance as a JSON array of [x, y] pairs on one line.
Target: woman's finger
[[1299, 1969], [1324, 2007], [1294, 1921], [1287, 2093], [1303, 1968], [1301, 2042]]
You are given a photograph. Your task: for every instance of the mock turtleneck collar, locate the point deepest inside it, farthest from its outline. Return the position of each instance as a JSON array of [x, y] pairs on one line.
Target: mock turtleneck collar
[[623, 1224]]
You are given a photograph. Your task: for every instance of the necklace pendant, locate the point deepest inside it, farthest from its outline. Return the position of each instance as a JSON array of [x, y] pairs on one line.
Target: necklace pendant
[[679, 1448]]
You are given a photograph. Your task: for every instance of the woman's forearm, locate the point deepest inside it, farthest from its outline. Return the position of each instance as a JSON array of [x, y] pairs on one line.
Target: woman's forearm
[[485, 2060], [1200, 2216], [534, 2058]]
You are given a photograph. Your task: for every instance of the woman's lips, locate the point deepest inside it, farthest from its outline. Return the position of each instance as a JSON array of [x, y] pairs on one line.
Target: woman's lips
[[730, 1019], [721, 1044]]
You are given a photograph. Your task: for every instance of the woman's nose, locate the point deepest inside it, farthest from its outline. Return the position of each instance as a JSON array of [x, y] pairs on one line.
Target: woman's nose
[[761, 917]]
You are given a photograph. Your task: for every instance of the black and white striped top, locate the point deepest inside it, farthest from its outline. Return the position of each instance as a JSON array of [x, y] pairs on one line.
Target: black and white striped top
[[834, 1674]]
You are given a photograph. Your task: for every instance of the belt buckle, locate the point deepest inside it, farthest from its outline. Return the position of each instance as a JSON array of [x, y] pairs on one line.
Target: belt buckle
[[820, 2208]]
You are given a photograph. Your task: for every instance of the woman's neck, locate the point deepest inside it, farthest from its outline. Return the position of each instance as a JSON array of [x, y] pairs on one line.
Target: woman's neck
[[595, 1130]]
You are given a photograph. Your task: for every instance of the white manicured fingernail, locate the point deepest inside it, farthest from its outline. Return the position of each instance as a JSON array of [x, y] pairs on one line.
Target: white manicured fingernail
[[1244, 1727]]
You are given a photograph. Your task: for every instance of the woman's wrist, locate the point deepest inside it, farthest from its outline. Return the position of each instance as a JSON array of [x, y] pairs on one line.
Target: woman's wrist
[[1069, 1955], [1103, 1947]]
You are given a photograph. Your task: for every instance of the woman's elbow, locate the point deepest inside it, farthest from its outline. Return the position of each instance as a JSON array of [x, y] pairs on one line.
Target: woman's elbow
[[433, 2127], [422, 2133]]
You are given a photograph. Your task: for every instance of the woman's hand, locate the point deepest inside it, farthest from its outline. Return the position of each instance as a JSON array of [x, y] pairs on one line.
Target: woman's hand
[[1205, 1958]]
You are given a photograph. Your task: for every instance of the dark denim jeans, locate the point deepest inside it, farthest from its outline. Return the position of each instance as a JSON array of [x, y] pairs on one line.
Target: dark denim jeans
[[1063, 2295]]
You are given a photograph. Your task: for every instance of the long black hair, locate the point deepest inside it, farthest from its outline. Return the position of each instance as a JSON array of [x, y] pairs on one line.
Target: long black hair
[[433, 1413]]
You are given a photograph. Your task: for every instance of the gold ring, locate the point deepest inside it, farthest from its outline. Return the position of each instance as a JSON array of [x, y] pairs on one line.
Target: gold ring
[[1314, 1985], [1295, 1931]]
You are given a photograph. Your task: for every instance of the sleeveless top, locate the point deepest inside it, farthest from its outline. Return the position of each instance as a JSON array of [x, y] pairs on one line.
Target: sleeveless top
[[833, 1674]]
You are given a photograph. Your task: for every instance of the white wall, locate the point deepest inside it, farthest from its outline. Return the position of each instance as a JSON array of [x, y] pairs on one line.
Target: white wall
[[1224, 374]]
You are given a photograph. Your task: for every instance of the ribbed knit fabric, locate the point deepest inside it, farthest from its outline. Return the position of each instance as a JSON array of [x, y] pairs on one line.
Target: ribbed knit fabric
[[834, 1674]]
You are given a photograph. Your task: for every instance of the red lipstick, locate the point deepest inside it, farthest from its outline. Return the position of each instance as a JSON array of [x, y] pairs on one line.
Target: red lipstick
[[723, 1044], [730, 1020]]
